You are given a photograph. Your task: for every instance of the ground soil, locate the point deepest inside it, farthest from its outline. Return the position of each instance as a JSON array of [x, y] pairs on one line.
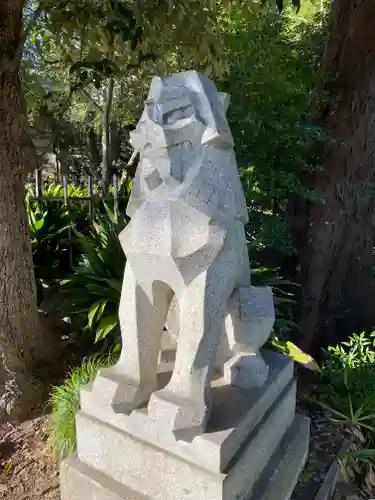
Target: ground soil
[[326, 441], [27, 471]]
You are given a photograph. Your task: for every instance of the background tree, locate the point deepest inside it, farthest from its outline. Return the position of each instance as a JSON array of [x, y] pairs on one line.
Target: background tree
[[335, 239], [21, 343]]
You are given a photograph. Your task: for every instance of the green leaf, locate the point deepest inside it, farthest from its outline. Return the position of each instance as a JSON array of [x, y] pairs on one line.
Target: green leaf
[[102, 309], [338, 414], [106, 325], [37, 226], [115, 284], [296, 353], [93, 311], [364, 453]]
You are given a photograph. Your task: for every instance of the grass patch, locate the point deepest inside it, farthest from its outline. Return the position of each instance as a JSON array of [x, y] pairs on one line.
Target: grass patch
[[65, 402]]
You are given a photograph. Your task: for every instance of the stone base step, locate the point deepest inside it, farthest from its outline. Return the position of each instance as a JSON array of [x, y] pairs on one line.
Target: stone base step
[[152, 471], [81, 482], [280, 477], [235, 415]]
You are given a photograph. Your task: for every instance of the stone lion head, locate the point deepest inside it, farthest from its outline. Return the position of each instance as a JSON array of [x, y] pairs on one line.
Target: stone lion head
[[183, 107]]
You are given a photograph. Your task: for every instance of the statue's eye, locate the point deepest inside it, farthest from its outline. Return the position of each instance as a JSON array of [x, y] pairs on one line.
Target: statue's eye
[[177, 114], [172, 117]]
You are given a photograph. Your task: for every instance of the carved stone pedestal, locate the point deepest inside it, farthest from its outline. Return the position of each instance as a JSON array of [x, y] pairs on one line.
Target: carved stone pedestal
[[253, 449]]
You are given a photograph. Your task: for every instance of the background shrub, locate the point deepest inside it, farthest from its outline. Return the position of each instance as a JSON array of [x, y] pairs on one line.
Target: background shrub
[[346, 393], [273, 74]]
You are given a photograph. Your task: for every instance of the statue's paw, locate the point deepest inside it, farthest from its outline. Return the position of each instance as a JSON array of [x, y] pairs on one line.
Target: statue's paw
[[186, 417], [121, 392], [246, 371]]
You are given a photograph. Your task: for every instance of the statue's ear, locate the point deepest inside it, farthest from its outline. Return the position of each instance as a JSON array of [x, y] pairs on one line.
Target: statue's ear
[[155, 88], [224, 98]]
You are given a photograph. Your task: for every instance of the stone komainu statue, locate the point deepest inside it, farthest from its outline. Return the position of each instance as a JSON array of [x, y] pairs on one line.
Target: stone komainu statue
[[187, 260]]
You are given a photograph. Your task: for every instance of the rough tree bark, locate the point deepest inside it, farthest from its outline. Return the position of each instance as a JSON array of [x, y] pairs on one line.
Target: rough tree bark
[[93, 150], [21, 342], [337, 253]]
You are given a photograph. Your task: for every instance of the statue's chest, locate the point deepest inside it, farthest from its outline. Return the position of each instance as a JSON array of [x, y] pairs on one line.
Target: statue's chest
[[171, 228]]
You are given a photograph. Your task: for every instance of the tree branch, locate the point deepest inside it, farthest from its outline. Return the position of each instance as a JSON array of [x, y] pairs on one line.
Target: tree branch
[[54, 61], [84, 92], [92, 101], [26, 32], [132, 158], [106, 135], [125, 173]]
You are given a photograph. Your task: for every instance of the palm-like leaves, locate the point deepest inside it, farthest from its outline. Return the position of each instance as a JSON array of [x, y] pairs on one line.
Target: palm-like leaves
[[47, 227], [94, 288]]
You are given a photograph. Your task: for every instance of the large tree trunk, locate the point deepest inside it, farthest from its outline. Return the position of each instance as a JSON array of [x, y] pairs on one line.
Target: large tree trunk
[[21, 343], [337, 255]]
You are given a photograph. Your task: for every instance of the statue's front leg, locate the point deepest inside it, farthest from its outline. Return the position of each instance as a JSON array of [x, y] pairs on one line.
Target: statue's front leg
[[185, 402], [142, 320]]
